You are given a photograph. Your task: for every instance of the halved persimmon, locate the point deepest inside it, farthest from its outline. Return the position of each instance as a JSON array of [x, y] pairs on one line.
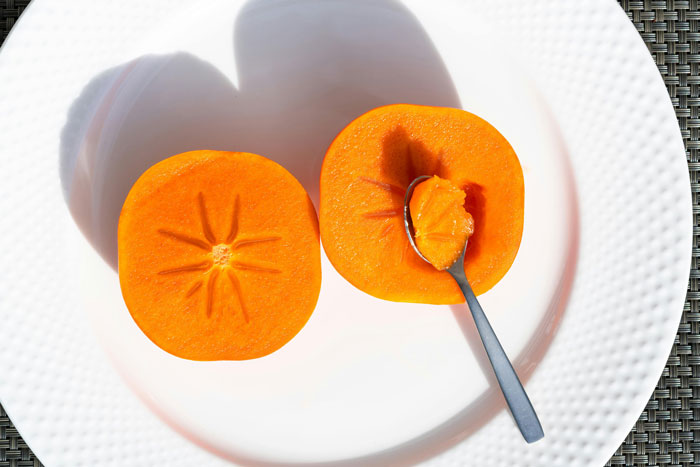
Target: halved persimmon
[[219, 255], [364, 177]]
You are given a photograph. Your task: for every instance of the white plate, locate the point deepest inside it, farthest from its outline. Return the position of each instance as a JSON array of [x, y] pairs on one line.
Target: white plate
[[95, 92]]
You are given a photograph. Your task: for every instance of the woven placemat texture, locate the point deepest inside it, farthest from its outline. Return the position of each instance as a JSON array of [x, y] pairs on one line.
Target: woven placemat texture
[[668, 431], [9, 12], [13, 450]]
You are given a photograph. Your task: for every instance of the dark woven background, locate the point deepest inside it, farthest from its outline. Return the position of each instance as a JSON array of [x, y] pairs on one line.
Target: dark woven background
[[666, 431], [9, 12]]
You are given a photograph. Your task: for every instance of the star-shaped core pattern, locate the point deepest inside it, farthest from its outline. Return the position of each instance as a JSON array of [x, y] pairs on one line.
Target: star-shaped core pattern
[[220, 257]]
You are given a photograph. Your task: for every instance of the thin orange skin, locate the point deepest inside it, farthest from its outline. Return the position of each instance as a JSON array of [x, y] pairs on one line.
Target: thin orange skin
[[440, 223], [274, 255], [363, 179]]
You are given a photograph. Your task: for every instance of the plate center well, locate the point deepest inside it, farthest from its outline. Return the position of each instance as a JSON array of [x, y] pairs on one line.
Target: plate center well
[[365, 377]]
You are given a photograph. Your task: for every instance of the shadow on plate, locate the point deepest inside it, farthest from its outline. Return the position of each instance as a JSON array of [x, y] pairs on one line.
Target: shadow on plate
[[305, 69]]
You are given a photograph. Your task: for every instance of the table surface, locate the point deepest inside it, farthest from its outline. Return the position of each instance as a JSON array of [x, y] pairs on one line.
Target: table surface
[[665, 433]]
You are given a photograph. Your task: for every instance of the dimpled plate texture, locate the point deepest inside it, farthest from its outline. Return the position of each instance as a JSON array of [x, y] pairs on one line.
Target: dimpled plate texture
[[634, 246]]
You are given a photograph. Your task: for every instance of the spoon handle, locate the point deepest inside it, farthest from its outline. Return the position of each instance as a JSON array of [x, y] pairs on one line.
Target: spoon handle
[[513, 391]]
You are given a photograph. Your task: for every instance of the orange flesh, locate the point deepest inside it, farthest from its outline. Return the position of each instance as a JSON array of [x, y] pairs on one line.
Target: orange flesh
[[440, 223], [219, 255], [363, 181]]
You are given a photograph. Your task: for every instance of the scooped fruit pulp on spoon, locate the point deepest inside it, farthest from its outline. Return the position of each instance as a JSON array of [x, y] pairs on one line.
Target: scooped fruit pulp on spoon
[[441, 224]]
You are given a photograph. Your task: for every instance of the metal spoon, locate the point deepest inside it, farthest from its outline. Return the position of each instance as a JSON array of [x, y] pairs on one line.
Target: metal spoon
[[513, 391]]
